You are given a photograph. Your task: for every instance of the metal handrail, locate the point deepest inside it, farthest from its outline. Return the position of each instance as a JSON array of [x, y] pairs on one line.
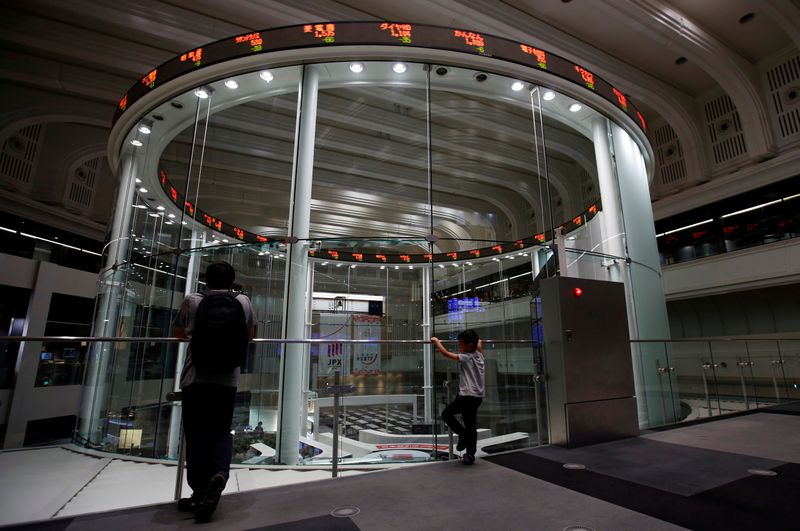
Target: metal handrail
[[110, 339], [712, 339]]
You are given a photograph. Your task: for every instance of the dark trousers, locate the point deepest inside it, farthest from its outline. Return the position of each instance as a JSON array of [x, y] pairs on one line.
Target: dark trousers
[[207, 418], [467, 407]]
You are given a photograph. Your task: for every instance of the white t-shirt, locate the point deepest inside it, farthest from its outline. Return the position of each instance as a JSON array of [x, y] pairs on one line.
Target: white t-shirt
[[471, 382], [185, 320]]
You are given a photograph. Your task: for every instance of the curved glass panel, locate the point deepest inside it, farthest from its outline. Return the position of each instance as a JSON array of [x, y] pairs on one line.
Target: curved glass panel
[[365, 206]]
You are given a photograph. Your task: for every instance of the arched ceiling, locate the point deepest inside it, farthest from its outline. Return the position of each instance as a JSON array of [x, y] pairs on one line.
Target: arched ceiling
[[56, 55]]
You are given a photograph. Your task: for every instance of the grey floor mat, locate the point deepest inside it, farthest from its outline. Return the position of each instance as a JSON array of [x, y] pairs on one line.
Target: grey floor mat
[[674, 468]]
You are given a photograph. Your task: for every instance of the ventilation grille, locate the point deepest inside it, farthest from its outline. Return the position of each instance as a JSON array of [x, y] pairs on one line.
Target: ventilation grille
[[670, 165], [79, 193], [784, 86], [19, 156], [724, 129]]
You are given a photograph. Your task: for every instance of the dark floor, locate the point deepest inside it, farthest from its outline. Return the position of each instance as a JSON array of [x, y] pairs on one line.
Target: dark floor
[[709, 476]]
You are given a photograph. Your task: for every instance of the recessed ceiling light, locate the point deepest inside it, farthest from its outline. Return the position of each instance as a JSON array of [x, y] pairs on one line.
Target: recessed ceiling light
[[399, 68], [144, 129], [266, 75], [549, 95], [201, 93], [143, 190], [138, 180], [136, 143], [159, 207], [516, 86], [575, 107], [356, 67], [680, 60], [171, 216], [231, 84]]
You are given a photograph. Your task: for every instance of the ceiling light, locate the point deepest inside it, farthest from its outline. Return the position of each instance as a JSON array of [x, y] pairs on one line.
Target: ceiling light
[[440, 265], [153, 215], [383, 267], [399, 68], [138, 180], [338, 265], [201, 93], [231, 84], [260, 254], [224, 240], [324, 263], [143, 190], [397, 267], [516, 86], [136, 143], [171, 216], [159, 207], [353, 266], [571, 238], [549, 95], [356, 67], [144, 129], [411, 267], [266, 75], [575, 107]]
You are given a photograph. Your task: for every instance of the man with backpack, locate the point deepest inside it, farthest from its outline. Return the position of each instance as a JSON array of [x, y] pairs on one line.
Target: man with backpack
[[219, 323]]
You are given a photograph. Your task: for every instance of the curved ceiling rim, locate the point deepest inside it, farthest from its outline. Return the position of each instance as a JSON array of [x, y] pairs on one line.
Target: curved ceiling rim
[[222, 70]]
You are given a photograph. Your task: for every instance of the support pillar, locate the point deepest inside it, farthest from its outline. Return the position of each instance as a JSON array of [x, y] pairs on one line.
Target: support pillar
[[294, 326]]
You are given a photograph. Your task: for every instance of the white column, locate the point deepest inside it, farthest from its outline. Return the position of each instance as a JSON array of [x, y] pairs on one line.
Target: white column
[[645, 289], [192, 271], [427, 367], [612, 228], [294, 326]]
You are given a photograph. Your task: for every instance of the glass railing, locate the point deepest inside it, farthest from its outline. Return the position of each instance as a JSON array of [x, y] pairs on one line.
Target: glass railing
[[367, 402], [701, 378]]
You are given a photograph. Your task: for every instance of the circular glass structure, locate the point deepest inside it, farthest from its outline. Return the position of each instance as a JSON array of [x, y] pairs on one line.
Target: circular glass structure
[[368, 181]]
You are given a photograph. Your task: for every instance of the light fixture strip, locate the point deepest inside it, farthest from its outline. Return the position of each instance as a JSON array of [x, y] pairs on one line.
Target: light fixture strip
[[684, 228]]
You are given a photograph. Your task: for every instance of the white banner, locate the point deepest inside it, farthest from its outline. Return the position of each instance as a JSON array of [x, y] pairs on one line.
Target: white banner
[[366, 357], [334, 357]]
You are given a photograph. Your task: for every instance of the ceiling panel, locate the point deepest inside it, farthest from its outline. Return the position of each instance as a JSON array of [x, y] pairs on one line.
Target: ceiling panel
[[616, 36], [754, 40]]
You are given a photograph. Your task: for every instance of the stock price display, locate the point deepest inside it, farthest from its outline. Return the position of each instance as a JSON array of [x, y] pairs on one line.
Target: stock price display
[[377, 34]]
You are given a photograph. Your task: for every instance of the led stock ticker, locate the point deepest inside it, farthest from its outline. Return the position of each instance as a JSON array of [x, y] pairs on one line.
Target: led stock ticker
[[377, 34], [339, 255]]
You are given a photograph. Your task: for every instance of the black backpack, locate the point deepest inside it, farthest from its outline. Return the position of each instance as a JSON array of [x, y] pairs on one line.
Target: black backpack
[[220, 335]]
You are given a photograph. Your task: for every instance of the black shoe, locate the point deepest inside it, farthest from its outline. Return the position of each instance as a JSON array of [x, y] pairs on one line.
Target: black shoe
[[207, 506], [187, 505], [468, 460], [462, 444]]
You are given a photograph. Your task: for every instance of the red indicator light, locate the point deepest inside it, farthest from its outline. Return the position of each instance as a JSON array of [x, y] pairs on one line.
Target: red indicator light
[[577, 292]]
